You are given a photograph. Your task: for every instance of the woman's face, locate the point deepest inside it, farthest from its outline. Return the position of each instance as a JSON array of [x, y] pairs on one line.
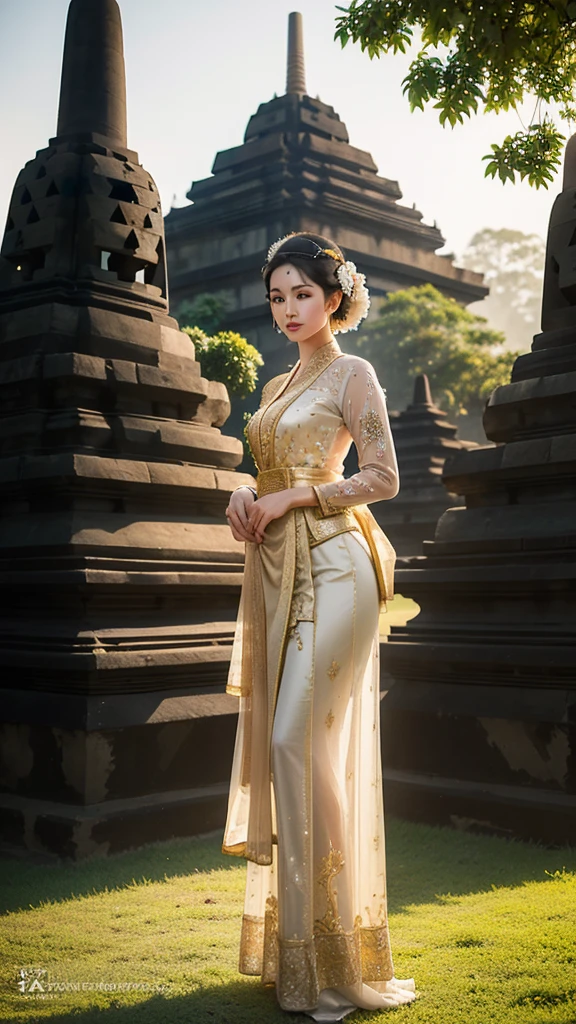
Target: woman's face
[[299, 306]]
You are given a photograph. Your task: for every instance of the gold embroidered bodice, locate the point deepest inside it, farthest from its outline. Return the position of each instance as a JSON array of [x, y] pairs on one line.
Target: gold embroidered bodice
[[311, 418]]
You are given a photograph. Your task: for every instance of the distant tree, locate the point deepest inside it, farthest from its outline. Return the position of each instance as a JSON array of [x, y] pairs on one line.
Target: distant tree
[[205, 311], [491, 56], [513, 267], [419, 330], [227, 357]]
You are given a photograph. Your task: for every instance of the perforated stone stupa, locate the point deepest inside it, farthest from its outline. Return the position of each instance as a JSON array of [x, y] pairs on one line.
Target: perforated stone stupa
[[119, 576]]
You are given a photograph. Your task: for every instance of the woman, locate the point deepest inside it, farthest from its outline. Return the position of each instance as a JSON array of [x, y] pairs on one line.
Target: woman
[[305, 805]]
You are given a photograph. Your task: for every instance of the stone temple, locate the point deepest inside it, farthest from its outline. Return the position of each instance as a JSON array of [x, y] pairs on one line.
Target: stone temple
[[479, 718], [297, 171], [119, 576]]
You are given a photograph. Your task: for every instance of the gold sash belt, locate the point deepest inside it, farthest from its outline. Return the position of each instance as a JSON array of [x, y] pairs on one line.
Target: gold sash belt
[[282, 477], [383, 554]]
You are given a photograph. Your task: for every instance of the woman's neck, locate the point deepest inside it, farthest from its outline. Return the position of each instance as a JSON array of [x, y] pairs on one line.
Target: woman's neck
[[307, 350]]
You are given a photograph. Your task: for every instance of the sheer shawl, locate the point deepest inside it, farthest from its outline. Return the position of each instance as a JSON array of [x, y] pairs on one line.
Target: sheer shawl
[[306, 421]]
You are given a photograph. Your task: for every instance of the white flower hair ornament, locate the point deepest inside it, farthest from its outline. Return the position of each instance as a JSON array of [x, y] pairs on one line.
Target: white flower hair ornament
[[353, 285]]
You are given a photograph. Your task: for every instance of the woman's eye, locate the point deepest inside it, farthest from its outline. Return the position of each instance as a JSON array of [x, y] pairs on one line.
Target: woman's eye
[[303, 295]]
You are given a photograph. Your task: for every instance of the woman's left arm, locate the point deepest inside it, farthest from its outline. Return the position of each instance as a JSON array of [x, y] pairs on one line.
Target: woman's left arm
[[366, 417]]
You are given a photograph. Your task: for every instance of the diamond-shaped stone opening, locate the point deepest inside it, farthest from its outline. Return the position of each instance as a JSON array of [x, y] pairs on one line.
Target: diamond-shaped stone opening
[[118, 217], [132, 241], [41, 173], [33, 217], [147, 221], [26, 197], [52, 189], [122, 190]]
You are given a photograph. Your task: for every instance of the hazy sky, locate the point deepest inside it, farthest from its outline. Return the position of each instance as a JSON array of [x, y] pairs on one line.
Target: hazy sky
[[197, 70]]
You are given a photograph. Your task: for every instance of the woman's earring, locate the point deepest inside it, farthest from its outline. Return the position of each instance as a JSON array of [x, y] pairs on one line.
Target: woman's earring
[[275, 326]]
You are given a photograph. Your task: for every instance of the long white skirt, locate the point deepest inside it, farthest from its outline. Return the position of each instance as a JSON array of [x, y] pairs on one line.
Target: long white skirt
[[315, 920]]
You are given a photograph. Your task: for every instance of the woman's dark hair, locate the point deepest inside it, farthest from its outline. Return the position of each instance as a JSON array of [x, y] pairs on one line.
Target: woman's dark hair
[[321, 270]]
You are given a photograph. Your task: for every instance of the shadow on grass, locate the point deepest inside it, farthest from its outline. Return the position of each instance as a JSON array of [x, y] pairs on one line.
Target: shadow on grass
[[24, 884], [427, 864], [424, 865], [224, 1003]]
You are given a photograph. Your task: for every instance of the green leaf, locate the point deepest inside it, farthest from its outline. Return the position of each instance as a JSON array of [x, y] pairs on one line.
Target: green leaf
[[476, 56]]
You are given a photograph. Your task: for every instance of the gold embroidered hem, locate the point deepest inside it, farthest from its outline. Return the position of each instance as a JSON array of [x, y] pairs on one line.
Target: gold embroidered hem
[[376, 954], [251, 945], [338, 958], [320, 529], [238, 850], [306, 967], [297, 981], [270, 946]]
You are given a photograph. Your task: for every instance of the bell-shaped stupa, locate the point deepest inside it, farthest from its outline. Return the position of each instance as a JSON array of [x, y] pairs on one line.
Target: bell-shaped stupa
[[120, 578]]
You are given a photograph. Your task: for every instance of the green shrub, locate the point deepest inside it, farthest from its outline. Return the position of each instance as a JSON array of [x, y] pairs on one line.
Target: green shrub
[[227, 357]]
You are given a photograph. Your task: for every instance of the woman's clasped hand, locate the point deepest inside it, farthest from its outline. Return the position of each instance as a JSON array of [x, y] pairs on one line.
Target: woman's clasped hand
[[248, 516]]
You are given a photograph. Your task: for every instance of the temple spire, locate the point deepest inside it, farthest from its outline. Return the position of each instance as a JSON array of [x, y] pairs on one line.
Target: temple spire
[[422, 393], [295, 72], [93, 83]]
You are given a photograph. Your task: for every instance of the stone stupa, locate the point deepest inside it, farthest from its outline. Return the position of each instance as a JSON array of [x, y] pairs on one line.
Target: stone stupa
[[423, 438], [479, 726], [120, 577]]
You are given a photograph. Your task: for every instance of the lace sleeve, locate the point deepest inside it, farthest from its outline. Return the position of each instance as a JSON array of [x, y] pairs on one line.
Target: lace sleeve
[[366, 417]]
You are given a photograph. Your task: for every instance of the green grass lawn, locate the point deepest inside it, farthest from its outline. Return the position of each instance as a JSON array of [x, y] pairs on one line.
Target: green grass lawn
[[486, 926]]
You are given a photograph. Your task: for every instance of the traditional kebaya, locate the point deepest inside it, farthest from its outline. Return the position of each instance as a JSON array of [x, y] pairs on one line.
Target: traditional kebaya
[[305, 806]]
